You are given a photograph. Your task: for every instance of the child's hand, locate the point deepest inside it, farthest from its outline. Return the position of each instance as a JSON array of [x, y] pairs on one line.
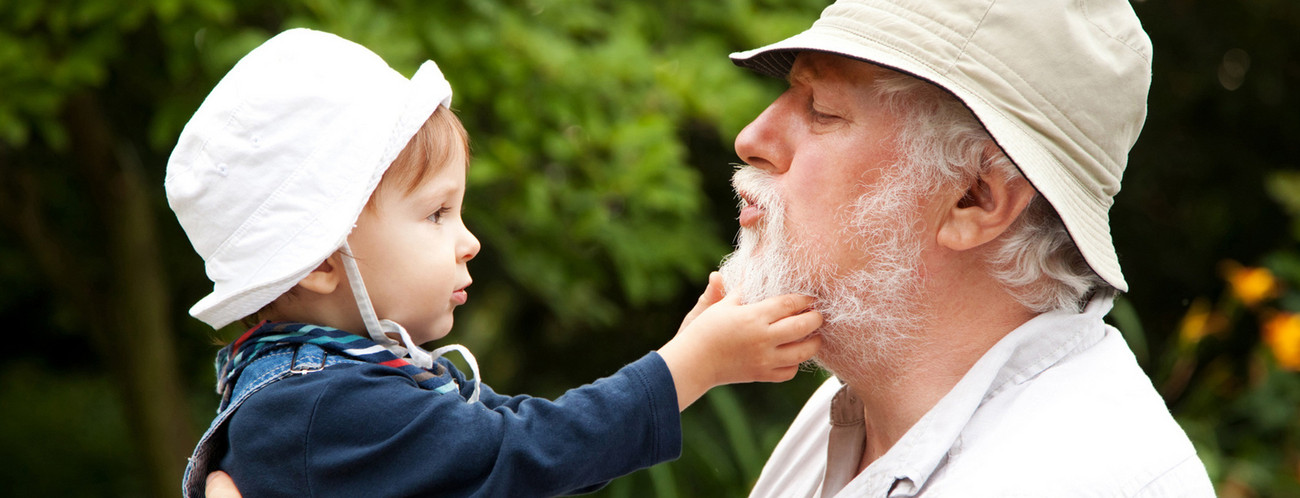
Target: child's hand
[[712, 294], [724, 342]]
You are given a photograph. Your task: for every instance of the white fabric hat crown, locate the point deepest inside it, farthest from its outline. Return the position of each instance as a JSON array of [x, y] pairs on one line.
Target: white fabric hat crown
[[272, 171], [1061, 85]]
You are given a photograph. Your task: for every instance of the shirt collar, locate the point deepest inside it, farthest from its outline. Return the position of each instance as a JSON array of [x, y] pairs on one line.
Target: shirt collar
[[1019, 356]]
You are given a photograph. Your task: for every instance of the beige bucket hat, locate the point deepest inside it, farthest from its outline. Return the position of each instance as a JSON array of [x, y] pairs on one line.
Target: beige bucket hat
[[1061, 85], [270, 174]]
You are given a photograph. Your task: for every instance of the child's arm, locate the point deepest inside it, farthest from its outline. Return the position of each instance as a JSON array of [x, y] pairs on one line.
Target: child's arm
[[724, 342]]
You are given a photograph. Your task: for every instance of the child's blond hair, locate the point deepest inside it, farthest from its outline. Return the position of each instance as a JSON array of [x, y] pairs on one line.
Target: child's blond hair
[[430, 148]]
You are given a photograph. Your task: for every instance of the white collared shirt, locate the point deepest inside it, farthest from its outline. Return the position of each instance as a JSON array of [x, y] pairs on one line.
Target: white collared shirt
[[1058, 407]]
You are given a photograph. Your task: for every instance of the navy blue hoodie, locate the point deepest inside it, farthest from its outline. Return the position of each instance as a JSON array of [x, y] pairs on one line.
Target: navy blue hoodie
[[374, 425]]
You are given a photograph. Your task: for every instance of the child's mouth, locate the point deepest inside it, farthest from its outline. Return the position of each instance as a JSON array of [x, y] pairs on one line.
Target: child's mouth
[[459, 296]]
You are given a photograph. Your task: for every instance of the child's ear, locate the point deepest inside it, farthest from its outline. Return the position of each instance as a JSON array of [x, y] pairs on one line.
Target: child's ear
[[985, 211], [326, 277]]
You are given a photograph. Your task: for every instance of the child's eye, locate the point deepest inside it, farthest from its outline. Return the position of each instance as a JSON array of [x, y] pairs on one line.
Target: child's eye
[[436, 217]]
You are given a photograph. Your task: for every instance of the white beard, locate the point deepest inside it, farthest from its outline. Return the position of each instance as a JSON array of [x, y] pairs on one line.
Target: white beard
[[872, 314]]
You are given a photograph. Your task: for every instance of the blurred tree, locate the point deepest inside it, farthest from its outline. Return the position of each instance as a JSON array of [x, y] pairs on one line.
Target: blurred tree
[[80, 200], [1220, 119]]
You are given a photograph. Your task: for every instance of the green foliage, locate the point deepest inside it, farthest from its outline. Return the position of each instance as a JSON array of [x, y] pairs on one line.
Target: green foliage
[[1284, 187], [68, 420]]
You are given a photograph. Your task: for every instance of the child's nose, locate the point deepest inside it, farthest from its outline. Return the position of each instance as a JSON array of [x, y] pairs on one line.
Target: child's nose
[[469, 247]]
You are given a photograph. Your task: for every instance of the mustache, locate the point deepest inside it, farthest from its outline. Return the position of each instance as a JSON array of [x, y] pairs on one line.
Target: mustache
[[756, 187]]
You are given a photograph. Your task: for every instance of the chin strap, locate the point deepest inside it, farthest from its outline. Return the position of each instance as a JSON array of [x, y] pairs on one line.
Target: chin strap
[[469, 358], [379, 330]]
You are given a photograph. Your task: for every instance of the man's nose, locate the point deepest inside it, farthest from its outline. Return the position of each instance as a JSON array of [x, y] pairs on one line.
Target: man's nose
[[763, 143]]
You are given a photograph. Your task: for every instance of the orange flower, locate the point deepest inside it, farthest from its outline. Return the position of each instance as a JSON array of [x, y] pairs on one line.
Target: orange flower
[[1252, 285], [1282, 335], [1199, 322]]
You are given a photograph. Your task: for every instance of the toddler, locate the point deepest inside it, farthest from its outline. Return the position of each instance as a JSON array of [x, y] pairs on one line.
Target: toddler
[[324, 192]]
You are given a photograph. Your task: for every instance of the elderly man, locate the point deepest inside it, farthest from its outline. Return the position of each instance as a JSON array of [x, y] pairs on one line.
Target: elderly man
[[938, 175]]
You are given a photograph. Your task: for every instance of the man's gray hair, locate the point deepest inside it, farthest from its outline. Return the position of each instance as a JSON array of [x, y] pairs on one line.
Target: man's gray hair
[[947, 146]]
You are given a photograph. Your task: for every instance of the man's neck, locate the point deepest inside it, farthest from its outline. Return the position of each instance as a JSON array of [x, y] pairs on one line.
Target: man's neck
[[896, 396]]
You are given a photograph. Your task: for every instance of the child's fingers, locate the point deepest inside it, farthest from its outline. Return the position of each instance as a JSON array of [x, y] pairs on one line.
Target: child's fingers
[[787, 358], [779, 307], [713, 294], [782, 374], [796, 327], [715, 290], [715, 279], [794, 353], [729, 299]]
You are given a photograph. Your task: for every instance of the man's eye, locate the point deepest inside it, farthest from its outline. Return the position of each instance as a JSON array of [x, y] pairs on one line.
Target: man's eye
[[819, 116], [436, 217]]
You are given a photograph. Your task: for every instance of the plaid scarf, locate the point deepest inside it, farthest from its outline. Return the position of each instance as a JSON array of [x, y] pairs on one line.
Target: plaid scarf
[[268, 336]]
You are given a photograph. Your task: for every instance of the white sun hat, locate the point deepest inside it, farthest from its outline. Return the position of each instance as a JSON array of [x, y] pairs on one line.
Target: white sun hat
[[272, 171], [1061, 85]]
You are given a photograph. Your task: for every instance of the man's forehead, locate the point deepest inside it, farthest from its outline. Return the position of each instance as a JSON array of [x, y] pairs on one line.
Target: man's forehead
[[811, 66], [807, 68]]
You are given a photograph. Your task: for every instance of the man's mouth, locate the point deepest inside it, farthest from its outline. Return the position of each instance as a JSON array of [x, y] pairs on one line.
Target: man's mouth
[[750, 212]]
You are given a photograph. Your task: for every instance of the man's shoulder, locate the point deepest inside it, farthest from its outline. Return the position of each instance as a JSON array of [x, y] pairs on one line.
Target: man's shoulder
[[1099, 400], [1094, 418]]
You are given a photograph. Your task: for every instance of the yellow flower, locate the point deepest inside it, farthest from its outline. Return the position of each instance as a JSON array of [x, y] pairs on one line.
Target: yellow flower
[[1282, 335], [1252, 285], [1199, 322]]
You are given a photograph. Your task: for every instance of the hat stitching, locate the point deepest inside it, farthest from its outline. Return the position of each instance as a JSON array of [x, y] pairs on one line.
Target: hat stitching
[[299, 170], [1084, 223], [961, 51], [262, 208], [1139, 51], [909, 15], [786, 55], [1092, 149], [201, 153], [201, 159], [1085, 228], [902, 14], [394, 133], [240, 299]]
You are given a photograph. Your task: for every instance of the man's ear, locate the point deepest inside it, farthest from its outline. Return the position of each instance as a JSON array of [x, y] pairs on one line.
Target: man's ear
[[986, 210], [326, 277]]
